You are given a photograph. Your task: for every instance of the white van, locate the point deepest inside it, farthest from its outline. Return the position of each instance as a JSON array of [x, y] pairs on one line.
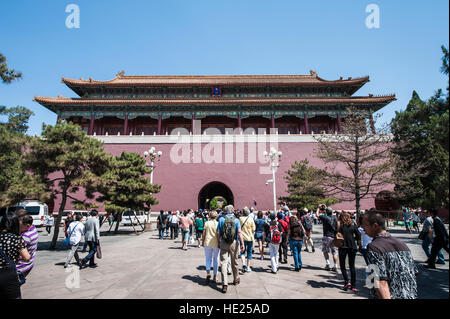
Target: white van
[[38, 210], [133, 218]]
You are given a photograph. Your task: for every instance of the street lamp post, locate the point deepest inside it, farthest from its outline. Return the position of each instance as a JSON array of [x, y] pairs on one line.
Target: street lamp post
[[153, 156], [274, 156]]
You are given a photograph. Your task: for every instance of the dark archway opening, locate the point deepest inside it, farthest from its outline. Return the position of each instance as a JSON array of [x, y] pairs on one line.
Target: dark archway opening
[[210, 190]]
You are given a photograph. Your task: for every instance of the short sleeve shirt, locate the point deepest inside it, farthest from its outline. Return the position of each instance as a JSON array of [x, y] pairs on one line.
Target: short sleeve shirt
[[11, 245], [185, 222], [395, 264]]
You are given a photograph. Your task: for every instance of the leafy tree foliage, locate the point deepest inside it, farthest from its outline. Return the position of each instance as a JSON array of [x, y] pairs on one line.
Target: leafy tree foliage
[[66, 160], [126, 187], [358, 161]]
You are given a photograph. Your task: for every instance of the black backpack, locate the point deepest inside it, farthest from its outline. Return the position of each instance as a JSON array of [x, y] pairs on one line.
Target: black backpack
[[229, 230]]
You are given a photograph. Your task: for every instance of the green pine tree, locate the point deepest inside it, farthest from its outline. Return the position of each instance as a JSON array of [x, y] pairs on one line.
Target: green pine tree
[[66, 160]]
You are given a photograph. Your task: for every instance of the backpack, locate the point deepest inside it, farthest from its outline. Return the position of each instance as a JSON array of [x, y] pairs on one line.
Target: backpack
[[229, 230], [307, 222], [275, 236]]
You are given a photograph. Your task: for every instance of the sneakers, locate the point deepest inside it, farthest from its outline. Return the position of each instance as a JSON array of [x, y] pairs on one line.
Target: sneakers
[[224, 289], [440, 262], [261, 258], [313, 250], [307, 250], [248, 269], [334, 269], [327, 267], [354, 289], [347, 286]]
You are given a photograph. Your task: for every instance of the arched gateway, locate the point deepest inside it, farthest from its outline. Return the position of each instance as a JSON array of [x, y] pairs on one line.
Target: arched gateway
[[211, 190]]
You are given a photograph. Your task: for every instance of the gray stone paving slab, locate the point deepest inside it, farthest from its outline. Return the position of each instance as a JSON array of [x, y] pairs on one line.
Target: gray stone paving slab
[[145, 267]]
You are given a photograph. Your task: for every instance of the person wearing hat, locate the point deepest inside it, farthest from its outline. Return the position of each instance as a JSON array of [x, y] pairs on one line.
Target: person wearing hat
[[329, 224]]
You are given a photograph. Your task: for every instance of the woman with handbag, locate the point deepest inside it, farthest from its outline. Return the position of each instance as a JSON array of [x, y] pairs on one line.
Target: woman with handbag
[[12, 249], [75, 232], [348, 239]]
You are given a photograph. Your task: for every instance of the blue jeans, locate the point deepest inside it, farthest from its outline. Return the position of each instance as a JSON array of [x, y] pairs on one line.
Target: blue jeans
[[161, 233], [426, 248], [91, 255], [248, 249], [296, 247]]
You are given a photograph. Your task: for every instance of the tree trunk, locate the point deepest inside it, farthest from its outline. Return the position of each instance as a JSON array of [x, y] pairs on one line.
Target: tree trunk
[[357, 187], [58, 219]]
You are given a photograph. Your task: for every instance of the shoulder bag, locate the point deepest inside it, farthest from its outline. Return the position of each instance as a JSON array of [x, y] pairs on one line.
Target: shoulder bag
[[338, 240], [20, 277]]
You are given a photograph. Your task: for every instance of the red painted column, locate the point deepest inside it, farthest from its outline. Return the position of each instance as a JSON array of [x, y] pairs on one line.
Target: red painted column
[[58, 120], [339, 123], [91, 125], [239, 121], [192, 124], [125, 125], [159, 124], [306, 124]]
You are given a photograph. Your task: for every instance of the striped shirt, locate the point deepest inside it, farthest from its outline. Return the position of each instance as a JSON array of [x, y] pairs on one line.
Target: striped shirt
[[31, 241]]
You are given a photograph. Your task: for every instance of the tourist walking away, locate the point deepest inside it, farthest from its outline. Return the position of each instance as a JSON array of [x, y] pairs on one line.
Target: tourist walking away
[[260, 233], [185, 224], [275, 230], [308, 226], [49, 223], [416, 220], [406, 216], [173, 221], [211, 246], [396, 269], [296, 233], [31, 238], [167, 216], [228, 235], [248, 229], [75, 233], [110, 219], [199, 227], [427, 235], [161, 224], [365, 239], [329, 224], [350, 246], [440, 239], [67, 222], [283, 248], [12, 250], [92, 238]]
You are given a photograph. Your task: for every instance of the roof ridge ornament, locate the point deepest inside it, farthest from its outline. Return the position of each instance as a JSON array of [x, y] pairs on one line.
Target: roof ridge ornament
[[120, 74], [313, 72]]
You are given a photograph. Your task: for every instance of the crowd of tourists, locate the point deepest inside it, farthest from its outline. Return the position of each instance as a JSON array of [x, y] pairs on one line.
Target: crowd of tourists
[[230, 237], [19, 240]]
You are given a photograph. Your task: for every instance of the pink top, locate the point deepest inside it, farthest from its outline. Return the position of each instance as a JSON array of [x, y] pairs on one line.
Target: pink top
[[185, 222]]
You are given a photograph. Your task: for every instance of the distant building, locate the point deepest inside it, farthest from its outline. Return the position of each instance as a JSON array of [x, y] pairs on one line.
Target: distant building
[[176, 114]]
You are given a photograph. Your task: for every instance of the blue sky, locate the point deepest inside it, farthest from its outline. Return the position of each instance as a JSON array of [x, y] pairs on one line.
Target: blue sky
[[222, 37]]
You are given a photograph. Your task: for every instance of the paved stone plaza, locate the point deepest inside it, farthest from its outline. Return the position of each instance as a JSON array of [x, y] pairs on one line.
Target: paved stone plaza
[[145, 267]]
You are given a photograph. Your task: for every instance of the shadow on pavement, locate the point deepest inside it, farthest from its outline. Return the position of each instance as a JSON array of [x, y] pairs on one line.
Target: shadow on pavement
[[201, 281], [432, 283]]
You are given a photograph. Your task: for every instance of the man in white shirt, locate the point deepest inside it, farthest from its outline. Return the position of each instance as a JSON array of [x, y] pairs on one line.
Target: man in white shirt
[[75, 231]]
